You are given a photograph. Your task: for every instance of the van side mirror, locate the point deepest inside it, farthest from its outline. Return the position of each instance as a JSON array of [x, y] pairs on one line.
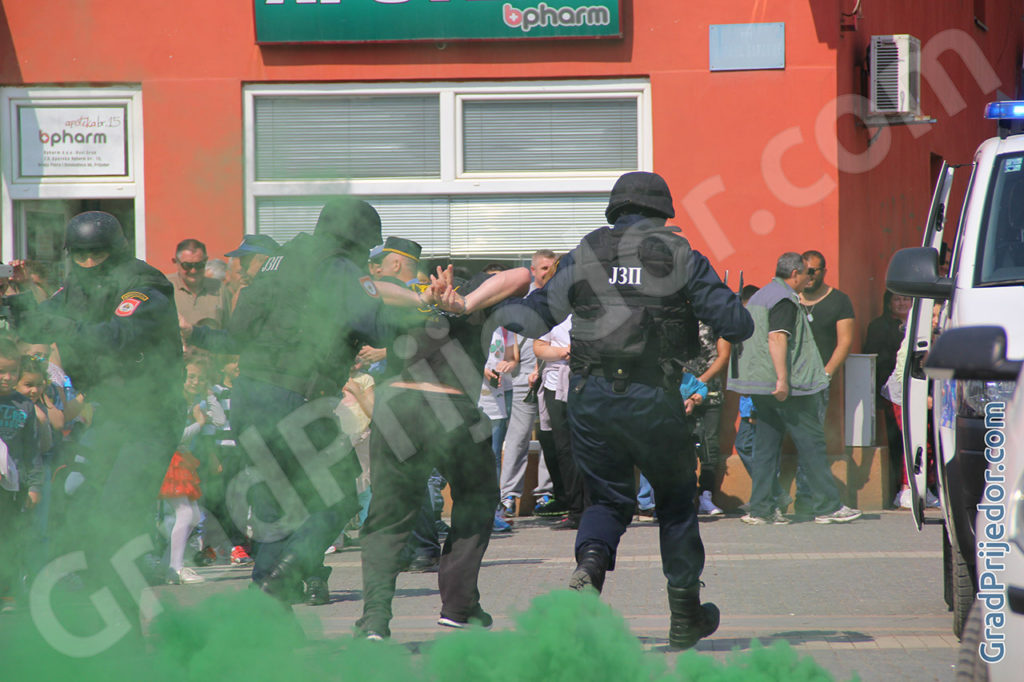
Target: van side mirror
[[971, 353], [915, 272]]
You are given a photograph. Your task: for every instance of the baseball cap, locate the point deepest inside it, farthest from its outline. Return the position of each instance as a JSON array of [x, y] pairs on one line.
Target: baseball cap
[[255, 243]]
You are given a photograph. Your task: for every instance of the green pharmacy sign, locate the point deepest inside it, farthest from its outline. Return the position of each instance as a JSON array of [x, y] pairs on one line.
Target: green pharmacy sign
[[357, 21]]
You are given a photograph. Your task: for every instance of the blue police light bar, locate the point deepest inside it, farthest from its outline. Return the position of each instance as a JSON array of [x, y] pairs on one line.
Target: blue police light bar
[[1010, 109]]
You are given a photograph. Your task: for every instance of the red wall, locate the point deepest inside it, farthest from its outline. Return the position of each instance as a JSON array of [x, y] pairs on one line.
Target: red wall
[[717, 136], [885, 209]]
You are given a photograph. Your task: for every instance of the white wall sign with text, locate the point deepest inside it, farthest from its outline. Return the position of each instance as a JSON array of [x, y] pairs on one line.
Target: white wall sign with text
[[72, 141]]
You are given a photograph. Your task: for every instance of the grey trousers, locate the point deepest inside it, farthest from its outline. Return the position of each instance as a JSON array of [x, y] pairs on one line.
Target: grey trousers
[[521, 420]]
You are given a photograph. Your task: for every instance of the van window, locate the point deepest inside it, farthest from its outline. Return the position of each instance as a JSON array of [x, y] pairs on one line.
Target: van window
[[1000, 259]]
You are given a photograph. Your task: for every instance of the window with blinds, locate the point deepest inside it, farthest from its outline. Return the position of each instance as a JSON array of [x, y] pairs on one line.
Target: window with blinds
[[460, 227], [549, 135], [325, 137], [468, 170], [492, 227]]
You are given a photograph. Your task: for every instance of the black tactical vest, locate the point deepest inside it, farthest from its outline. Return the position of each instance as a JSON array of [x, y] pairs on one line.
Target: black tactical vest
[[144, 379], [631, 317], [291, 339]]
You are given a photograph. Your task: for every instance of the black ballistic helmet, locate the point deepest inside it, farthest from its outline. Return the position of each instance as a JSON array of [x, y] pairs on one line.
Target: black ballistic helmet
[[349, 221], [643, 190], [94, 231]]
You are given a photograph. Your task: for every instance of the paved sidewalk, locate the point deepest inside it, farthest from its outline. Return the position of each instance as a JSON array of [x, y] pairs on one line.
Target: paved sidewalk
[[862, 598]]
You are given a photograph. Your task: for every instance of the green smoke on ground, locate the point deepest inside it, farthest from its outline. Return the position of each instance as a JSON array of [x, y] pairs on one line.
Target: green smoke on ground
[[562, 635]]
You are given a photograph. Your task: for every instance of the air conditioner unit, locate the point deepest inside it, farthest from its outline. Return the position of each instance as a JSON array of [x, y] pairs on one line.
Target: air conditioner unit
[[895, 75]]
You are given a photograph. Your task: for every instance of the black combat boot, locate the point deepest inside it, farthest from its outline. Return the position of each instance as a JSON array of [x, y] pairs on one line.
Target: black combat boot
[[284, 581], [317, 592], [591, 564], [691, 620]]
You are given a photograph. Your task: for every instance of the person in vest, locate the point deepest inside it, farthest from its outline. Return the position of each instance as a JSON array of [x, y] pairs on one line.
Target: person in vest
[[781, 369], [636, 291], [116, 326], [297, 328]]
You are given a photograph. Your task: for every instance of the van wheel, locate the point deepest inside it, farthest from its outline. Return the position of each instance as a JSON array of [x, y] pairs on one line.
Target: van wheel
[[969, 666], [963, 592]]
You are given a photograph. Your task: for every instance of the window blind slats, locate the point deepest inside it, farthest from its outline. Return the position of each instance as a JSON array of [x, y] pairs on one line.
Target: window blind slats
[[422, 219], [492, 227], [464, 227], [549, 135], [315, 138]]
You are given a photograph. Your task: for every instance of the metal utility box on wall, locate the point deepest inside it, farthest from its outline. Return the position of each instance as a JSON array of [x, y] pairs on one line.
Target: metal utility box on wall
[[895, 87], [859, 394]]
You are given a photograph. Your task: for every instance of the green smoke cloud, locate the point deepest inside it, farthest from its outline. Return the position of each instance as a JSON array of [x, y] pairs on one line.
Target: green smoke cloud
[[562, 636]]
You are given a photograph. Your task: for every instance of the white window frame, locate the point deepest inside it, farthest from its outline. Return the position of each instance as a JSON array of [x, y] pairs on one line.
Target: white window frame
[[452, 181], [14, 189]]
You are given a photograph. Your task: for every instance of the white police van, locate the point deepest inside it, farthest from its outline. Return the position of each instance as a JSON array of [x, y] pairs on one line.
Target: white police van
[[984, 286], [992, 636]]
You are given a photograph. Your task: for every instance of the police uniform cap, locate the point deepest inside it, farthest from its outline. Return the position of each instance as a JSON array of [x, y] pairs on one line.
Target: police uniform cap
[[403, 247], [643, 190], [255, 243], [376, 253]]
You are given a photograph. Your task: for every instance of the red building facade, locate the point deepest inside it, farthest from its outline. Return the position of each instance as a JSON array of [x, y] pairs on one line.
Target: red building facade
[[761, 159]]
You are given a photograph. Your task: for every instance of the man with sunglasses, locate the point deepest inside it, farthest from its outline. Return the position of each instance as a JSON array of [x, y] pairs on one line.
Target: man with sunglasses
[[830, 314], [200, 299]]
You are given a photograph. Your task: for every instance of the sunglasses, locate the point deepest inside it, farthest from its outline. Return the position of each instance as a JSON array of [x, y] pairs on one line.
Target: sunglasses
[[199, 265], [812, 271]]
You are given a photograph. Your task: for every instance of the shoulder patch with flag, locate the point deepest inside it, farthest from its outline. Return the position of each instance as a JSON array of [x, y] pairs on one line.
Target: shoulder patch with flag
[[127, 307], [368, 286]]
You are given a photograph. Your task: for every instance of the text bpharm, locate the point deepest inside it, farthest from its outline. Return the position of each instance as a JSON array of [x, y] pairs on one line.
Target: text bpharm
[[68, 137]]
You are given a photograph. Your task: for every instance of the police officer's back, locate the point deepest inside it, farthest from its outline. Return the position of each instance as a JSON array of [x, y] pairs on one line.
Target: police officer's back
[[298, 327], [636, 290]]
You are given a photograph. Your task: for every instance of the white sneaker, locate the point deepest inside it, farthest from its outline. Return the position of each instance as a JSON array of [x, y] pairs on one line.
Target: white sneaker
[[842, 515], [754, 520], [187, 576], [931, 500], [903, 499], [706, 506]]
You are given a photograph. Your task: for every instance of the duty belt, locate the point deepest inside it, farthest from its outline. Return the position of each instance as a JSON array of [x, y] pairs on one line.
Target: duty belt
[[621, 374]]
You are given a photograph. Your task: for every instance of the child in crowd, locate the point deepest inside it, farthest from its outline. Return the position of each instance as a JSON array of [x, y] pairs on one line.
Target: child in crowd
[[225, 446], [34, 384], [21, 469], [180, 488]]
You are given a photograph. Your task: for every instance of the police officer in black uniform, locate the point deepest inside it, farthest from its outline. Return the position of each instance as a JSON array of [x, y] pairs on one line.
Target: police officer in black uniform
[[298, 327], [116, 327], [636, 290]]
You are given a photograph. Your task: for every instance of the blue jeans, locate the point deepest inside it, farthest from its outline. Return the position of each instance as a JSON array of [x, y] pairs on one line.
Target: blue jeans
[[745, 444]]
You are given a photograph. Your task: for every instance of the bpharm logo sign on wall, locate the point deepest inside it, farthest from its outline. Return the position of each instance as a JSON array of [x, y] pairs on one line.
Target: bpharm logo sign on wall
[[332, 21], [68, 141]]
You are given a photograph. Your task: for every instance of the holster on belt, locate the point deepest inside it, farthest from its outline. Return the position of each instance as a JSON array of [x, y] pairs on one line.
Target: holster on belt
[[617, 374]]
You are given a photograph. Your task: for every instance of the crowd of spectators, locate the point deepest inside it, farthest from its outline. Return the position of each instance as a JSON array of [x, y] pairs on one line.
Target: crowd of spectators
[[524, 393]]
